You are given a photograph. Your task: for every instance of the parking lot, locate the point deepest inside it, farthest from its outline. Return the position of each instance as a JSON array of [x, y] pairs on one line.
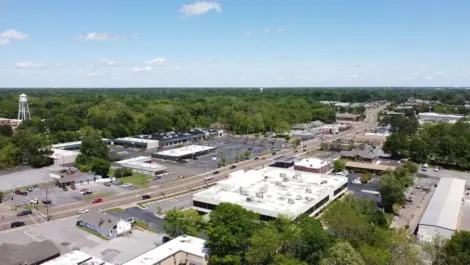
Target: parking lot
[[66, 236], [443, 173], [228, 147], [58, 196], [24, 178]]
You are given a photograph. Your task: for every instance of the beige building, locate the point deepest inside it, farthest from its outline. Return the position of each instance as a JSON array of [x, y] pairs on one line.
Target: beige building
[[377, 140], [183, 250]]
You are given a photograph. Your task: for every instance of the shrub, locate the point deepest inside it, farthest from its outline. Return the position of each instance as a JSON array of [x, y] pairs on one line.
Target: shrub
[[125, 172], [117, 173], [365, 178]]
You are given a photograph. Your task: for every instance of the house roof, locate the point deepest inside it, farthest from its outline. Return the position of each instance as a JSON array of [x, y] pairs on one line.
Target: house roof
[[103, 220], [27, 254], [346, 115], [370, 138], [362, 153], [369, 166]]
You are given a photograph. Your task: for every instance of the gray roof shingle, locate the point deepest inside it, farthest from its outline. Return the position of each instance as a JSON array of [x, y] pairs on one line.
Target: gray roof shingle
[[103, 220], [12, 254]]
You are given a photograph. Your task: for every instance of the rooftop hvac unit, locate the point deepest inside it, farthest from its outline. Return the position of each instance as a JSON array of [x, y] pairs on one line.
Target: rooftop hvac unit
[[298, 197], [308, 190], [259, 195], [283, 175], [324, 182], [291, 200], [250, 199], [308, 198]]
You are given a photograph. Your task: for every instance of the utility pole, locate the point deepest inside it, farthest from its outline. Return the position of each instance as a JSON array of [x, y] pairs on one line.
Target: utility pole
[[47, 204]]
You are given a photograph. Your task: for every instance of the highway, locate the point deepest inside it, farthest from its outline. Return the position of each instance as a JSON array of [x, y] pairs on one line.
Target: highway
[[183, 185]]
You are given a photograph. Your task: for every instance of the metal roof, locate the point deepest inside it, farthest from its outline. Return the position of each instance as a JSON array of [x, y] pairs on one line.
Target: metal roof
[[31, 253], [444, 208]]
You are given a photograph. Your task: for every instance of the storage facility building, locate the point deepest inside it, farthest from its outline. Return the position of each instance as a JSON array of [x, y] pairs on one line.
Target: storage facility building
[[313, 165], [442, 214], [137, 142], [143, 165], [185, 152]]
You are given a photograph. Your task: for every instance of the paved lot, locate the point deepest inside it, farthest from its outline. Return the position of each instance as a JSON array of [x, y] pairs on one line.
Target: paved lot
[[443, 173], [24, 178], [58, 196], [330, 156], [465, 214], [364, 190], [66, 236], [180, 202]]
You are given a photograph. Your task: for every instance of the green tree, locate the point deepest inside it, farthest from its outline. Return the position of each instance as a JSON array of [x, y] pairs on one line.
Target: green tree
[[397, 145], [392, 191], [117, 173], [456, 250], [313, 241], [411, 167], [263, 246], [229, 231], [434, 250], [295, 142], [342, 253], [100, 167], [404, 250], [339, 165], [9, 156], [187, 222], [281, 259], [6, 130], [223, 160], [418, 150], [34, 149]]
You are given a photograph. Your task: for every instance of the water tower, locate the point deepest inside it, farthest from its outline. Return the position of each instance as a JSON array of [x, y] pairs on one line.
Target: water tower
[[23, 108]]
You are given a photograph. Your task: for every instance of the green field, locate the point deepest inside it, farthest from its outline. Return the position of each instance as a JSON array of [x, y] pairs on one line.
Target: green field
[[136, 179]]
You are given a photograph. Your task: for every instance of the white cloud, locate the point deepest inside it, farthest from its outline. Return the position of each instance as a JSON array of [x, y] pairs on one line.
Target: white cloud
[[99, 37], [429, 77], [4, 41], [135, 35], [13, 34], [280, 78], [177, 68], [142, 69], [29, 65], [279, 30], [266, 30], [59, 65], [157, 61], [247, 33], [440, 73], [200, 8], [107, 62], [95, 74]]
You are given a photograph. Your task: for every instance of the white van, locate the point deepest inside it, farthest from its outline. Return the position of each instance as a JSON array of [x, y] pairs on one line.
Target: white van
[[209, 178]]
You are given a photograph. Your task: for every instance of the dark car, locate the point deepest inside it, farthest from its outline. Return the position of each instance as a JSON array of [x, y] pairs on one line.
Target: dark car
[[233, 166], [146, 197], [25, 212], [216, 172], [72, 187], [256, 158], [65, 189], [17, 224], [46, 201], [166, 239], [274, 153], [30, 190]]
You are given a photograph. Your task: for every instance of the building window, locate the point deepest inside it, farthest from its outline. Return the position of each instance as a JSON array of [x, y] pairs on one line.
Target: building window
[[338, 190], [204, 205]]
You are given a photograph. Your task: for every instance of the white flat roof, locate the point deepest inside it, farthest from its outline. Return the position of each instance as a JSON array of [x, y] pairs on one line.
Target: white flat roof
[[192, 245], [61, 145], [141, 162], [185, 150], [75, 258], [312, 163], [138, 140], [444, 208], [277, 186], [58, 153], [433, 114]]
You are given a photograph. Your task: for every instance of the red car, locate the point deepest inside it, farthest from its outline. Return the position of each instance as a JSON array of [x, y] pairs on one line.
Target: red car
[[97, 200]]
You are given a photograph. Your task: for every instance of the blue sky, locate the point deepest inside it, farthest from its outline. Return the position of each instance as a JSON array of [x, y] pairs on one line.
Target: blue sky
[[123, 43]]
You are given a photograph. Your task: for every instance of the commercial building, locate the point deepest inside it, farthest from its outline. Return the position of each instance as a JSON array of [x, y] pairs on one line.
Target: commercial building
[[307, 126], [375, 140], [185, 152], [272, 192], [73, 145], [31, 254], [76, 257], [181, 250], [140, 142], [442, 213], [62, 156], [431, 117], [358, 155], [302, 135], [104, 224], [284, 162], [347, 117], [313, 165], [192, 136], [14, 123], [143, 165]]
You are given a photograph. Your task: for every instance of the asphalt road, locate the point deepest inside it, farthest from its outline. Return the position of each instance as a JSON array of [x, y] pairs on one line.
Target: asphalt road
[[179, 186]]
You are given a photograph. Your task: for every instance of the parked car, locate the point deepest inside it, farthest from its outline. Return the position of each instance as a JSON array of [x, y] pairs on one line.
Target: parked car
[[256, 158], [424, 167], [35, 186], [436, 169], [65, 189], [81, 211], [97, 200], [274, 153], [209, 178], [17, 224], [166, 239], [30, 190], [146, 197], [216, 172], [24, 212], [72, 187], [125, 185], [157, 177], [233, 166], [107, 184], [46, 201], [214, 158], [34, 201]]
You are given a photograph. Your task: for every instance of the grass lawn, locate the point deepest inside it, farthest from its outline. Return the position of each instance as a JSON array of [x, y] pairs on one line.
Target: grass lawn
[[144, 225], [115, 210], [91, 197], [136, 179], [93, 232]]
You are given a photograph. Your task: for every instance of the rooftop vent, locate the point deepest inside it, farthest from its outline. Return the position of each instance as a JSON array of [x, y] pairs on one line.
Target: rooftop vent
[[324, 182], [291, 201], [259, 195], [298, 197], [308, 190], [250, 199]]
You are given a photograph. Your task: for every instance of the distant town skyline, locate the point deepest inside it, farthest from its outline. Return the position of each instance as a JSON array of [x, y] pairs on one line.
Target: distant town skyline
[[234, 43]]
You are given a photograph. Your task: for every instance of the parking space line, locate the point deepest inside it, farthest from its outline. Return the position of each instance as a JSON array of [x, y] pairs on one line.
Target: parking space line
[[40, 217], [26, 232], [33, 219]]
